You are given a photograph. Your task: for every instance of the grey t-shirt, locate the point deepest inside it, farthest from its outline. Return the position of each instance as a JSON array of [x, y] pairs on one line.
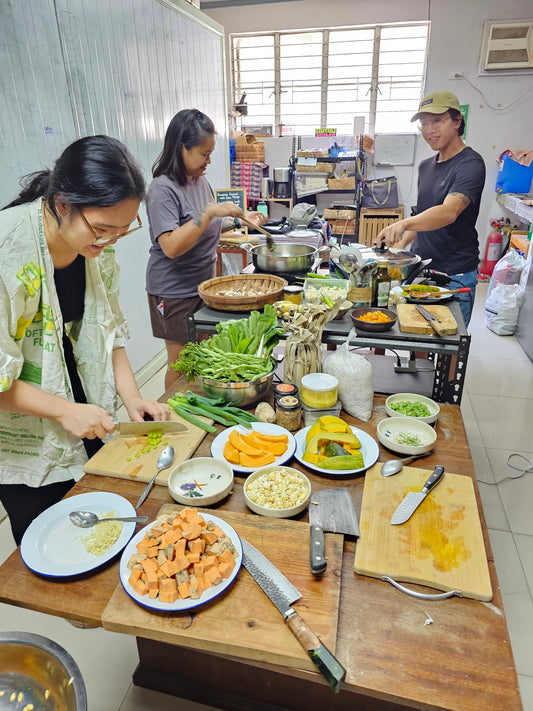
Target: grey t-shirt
[[170, 205]]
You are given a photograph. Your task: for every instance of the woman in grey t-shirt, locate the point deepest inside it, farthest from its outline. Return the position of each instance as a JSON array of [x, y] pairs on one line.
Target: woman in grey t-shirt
[[185, 225]]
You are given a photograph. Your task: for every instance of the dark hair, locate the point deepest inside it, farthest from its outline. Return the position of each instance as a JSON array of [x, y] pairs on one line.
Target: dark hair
[[93, 171], [455, 114], [188, 128]]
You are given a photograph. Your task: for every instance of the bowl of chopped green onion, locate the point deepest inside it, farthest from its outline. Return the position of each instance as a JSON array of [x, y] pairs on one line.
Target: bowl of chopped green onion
[[406, 435], [423, 408]]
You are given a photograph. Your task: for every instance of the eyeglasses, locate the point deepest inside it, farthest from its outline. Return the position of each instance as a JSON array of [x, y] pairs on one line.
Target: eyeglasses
[[105, 240], [426, 124]]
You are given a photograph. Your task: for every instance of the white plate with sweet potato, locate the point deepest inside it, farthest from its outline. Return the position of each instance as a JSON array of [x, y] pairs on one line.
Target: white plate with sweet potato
[[177, 562]]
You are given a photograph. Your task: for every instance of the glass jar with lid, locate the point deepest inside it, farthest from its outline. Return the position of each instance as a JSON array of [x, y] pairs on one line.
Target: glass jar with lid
[[289, 413]]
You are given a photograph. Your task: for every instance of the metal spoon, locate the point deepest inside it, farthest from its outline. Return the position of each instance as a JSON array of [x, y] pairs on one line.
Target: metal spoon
[[393, 466], [86, 519], [164, 460]]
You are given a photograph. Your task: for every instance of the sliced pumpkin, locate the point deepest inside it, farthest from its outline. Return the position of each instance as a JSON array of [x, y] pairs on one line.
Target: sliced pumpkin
[[314, 430], [240, 443], [246, 460], [313, 458], [231, 453], [328, 423], [272, 438], [320, 440]]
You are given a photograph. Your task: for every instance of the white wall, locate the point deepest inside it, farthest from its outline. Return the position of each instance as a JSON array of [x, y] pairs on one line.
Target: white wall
[[455, 41]]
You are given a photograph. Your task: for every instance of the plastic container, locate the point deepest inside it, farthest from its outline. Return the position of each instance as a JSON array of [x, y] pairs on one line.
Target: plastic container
[[315, 289], [312, 414], [319, 390]]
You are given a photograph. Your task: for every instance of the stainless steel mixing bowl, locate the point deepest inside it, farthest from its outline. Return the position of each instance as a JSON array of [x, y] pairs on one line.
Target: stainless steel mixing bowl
[[37, 672], [238, 394]]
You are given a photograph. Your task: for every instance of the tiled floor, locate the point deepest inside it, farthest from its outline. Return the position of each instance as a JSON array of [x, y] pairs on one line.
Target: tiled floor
[[498, 413]]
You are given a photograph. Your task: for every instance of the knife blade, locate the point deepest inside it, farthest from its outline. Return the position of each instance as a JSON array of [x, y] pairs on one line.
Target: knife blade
[[141, 428], [329, 510], [274, 584], [414, 498], [437, 325]]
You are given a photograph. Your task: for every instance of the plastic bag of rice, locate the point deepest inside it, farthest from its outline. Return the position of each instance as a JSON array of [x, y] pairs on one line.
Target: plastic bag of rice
[[356, 381]]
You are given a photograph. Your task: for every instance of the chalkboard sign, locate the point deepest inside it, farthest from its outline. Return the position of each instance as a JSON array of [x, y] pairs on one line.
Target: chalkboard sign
[[394, 149], [236, 195]]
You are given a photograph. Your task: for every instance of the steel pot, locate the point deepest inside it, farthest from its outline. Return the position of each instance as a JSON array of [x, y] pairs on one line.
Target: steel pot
[[400, 263], [285, 258]]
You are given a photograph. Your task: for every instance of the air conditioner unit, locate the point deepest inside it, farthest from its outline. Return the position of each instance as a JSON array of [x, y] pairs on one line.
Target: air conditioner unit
[[508, 45]]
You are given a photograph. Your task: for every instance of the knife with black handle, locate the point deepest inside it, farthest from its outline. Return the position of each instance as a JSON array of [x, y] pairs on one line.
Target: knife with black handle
[[277, 587]]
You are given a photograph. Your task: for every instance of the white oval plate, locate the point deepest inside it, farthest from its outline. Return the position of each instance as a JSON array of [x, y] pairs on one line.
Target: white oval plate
[[369, 450], [431, 300], [52, 544], [179, 605], [217, 445]]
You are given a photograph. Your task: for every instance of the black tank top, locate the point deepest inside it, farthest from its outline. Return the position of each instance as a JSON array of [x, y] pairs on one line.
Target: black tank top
[[70, 287]]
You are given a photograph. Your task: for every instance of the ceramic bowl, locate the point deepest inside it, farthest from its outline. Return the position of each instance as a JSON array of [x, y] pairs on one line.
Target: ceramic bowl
[[393, 431], [373, 325], [286, 512], [432, 406], [201, 481]]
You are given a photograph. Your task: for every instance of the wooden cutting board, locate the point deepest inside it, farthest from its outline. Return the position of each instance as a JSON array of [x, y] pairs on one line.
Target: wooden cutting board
[[440, 546], [242, 622], [112, 458], [410, 321]]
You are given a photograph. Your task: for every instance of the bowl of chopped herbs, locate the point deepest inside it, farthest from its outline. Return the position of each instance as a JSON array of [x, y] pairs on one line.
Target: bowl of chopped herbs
[[406, 435], [423, 408]]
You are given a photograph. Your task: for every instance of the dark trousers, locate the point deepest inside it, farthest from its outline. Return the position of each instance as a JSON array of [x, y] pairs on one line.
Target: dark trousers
[[24, 503]]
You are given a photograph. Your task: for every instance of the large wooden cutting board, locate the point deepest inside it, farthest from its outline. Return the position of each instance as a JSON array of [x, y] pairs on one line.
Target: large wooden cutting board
[[242, 622], [440, 546], [411, 321], [112, 458]]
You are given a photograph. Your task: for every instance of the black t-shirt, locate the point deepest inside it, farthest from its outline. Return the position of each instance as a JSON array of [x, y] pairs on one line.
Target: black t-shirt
[[454, 249], [70, 287]]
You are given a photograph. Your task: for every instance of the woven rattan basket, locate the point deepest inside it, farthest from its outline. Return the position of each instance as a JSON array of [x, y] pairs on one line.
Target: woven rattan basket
[[242, 292]]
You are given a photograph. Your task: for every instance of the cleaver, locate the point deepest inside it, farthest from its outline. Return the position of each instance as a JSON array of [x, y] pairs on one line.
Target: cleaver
[[329, 510], [138, 429]]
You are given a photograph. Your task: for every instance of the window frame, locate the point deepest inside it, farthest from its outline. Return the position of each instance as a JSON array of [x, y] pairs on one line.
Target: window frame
[[373, 82]]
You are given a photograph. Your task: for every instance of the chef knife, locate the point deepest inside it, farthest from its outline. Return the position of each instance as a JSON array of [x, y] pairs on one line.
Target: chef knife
[[437, 325], [274, 584], [414, 498], [329, 510], [141, 428]]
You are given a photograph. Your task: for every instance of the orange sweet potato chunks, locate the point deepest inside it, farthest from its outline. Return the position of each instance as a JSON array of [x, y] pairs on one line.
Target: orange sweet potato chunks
[[149, 565], [227, 557], [134, 576], [192, 557], [168, 597], [152, 552], [140, 587], [179, 548], [182, 562], [199, 568], [224, 570], [183, 590], [169, 568], [196, 546], [192, 530], [209, 537], [213, 575], [143, 545], [168, 585]]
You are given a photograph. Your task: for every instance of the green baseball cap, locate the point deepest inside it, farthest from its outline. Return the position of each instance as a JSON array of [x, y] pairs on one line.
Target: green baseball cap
[[437, 103]]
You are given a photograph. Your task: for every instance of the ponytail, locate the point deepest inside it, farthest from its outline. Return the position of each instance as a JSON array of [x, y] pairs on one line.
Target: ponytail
[[34, 186]]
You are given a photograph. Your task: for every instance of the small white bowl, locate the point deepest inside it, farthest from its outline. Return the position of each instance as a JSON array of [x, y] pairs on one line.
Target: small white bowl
[[391, 428], [277, 513], [200, 481], [431, 405]]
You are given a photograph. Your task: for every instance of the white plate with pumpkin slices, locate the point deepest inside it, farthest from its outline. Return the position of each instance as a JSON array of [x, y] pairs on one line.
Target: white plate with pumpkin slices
[[218, 446], [369, 451]]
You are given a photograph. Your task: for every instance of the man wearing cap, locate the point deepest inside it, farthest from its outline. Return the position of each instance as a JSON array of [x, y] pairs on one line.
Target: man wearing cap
[[449, 193]]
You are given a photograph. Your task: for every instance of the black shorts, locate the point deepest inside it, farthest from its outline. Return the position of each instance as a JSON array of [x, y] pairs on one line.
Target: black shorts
[[169, 316]]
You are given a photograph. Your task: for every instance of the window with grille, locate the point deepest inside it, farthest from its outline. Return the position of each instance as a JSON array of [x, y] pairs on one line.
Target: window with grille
[[319, 78]]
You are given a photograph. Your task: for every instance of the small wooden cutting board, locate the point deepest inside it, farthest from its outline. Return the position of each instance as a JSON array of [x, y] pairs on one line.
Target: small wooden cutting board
[[441, 545], [411, 321], [242, 622], [112, 458]]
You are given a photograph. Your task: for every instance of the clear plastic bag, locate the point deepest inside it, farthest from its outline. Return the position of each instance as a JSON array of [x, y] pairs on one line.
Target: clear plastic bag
[[502, 308], [507, 270], [356, 381]]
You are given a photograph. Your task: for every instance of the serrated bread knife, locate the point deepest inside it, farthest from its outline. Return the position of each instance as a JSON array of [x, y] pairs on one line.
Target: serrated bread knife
[[282, 593], [414, 498]]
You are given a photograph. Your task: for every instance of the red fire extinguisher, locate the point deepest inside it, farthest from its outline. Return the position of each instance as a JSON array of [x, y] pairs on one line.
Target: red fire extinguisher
[[492, 250]]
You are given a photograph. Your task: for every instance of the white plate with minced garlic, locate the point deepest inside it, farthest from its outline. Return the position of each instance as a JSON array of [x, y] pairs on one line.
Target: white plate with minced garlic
[[52, 545]]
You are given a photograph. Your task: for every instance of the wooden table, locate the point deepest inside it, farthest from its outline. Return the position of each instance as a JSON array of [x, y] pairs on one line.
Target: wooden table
[[461, 662]]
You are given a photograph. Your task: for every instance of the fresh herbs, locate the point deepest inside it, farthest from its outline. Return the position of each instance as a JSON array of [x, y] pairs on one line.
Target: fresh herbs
[[410, 439], [240, 351]]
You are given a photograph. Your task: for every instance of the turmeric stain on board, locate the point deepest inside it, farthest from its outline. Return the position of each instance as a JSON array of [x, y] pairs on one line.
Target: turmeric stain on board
[[436, 539]]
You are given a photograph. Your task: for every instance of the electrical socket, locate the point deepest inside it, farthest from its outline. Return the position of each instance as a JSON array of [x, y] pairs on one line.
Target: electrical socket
[[452, 76]]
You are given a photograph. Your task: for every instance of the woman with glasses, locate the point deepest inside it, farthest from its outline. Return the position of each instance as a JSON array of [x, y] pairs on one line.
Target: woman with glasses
[[185, 226], [449, 194], [62, 333]]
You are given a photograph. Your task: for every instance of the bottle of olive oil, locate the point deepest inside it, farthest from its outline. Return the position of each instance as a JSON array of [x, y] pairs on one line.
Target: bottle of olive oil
[[382, 284]]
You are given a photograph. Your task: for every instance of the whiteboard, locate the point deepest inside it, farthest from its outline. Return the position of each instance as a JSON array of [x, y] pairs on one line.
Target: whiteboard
[[394, 148]]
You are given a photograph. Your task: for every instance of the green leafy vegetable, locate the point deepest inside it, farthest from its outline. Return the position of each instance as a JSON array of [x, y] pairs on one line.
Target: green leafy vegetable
[[413, 409], [191, 404]]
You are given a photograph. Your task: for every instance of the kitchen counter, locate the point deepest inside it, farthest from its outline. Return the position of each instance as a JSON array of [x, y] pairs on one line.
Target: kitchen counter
[[394, 660]]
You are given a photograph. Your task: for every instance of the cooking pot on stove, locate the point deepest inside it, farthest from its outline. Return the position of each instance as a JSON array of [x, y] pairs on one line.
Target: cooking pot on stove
[[285, 258], [401, 264]]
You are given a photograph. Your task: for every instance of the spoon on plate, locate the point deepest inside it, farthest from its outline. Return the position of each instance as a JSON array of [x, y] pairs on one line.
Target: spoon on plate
[[86, 519], [164, 460], [393, 466]]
